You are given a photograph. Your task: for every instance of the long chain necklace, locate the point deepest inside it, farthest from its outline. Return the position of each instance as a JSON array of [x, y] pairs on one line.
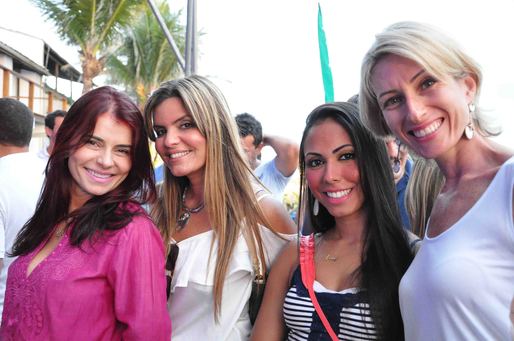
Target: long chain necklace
[[184, 217]]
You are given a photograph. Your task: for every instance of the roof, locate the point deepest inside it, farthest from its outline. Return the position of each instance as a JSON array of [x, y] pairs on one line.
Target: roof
[[58, 66], [52, 63], [20, 58]]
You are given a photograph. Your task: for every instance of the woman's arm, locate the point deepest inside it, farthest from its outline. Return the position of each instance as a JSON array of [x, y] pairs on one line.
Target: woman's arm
[[270, 325], [139, 282], [277, 218]]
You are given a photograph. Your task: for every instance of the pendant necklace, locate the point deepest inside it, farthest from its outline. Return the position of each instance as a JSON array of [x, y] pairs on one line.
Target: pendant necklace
[[330, 258], [61, 229], [184, 217]]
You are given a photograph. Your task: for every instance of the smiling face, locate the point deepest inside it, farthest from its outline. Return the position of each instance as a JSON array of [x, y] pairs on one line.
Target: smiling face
[[426, 113], [332, 171], [178, 141], [100, 165]]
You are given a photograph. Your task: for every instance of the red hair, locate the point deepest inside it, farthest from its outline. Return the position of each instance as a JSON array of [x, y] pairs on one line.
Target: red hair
[[103, 212]]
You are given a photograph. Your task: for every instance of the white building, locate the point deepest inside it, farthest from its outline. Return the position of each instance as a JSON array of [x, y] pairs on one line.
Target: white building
[[33, 73]]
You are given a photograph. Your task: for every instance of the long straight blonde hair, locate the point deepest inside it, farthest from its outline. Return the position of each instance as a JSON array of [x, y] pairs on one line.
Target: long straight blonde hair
[[229, 195]]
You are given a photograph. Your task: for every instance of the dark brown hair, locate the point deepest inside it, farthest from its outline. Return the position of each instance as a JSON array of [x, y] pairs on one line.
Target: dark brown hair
[[386, 254]]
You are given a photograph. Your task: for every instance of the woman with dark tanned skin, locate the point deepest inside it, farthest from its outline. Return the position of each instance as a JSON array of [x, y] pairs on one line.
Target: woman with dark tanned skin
[[360, 248]]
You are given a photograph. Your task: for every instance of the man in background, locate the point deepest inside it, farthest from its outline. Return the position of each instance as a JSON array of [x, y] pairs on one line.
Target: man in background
[[53, 122], [402, 167], [21, 178], [276, 173]]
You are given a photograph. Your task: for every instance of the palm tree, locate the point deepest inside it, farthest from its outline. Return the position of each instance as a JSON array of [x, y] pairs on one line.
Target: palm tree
[[145, 58], [92, 25]]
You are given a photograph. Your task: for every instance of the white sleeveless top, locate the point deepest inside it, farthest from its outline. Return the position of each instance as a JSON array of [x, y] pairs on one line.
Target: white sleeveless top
[[191, 302], [461, 282]]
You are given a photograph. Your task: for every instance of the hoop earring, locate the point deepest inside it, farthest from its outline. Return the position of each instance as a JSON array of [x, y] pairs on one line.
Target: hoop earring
[[315, 207], [469, 130]]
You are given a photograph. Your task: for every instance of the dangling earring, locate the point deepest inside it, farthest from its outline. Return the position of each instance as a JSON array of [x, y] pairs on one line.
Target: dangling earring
[[469, 131], [315, 207]]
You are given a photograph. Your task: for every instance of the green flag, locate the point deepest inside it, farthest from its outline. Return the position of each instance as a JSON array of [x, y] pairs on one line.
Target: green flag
[[326, 73]]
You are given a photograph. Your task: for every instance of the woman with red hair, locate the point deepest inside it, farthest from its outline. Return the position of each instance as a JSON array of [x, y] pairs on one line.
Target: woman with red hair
[[90, 261]]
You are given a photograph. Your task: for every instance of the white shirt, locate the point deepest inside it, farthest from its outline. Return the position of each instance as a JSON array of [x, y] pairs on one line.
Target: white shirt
[[21, 179], [43, 153], [272, 178], [461, 282], [191, 303]]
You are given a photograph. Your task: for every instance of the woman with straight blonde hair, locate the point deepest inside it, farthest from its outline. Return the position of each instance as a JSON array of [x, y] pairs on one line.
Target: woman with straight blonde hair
[[209, 212], [419, 85]]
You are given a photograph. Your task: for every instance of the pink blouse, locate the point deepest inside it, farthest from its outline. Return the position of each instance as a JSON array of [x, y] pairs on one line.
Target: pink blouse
[[112, 289]]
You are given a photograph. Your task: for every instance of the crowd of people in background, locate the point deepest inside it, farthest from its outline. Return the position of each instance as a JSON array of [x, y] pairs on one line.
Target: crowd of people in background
[[404, 231]]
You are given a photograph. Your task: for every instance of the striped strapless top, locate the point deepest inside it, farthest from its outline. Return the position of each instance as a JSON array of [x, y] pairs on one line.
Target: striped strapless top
[[347, 312]]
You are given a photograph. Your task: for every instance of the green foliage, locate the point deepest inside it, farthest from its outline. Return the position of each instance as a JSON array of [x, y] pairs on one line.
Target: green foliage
[[145, 58], [88, 22], [92, 25]]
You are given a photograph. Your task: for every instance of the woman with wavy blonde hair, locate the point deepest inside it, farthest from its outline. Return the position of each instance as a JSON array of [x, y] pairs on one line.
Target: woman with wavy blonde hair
[[419, 85], [424, 185], [209, 211]]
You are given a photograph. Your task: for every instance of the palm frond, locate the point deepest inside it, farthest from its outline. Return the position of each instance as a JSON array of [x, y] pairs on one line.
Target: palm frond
[[145, 54]]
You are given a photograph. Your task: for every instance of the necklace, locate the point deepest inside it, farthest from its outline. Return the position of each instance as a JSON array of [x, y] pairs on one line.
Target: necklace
[[61, 228], [60, 232], [184, 217], [330, 258]]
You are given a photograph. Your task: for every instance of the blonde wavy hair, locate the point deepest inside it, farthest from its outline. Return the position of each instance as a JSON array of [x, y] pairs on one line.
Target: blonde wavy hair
[[425, 183], [430, 48], [229, 196]]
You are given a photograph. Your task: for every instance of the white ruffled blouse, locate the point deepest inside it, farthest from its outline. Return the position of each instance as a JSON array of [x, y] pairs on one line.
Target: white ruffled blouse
[[191, 303]]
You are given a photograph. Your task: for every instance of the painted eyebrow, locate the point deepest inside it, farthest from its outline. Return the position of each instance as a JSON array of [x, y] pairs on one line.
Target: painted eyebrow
[[333, 151], [124, 146], [102, 140], [177, 120], [410, 81], [313, 154], [341, 147], [417, 75]]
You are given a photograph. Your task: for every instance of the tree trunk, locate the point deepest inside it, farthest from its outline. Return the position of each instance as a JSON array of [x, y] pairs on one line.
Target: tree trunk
[[91, 67]]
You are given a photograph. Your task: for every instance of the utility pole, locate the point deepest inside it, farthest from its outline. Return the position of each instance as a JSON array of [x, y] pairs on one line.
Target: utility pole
[[188, 65], [191, 38]]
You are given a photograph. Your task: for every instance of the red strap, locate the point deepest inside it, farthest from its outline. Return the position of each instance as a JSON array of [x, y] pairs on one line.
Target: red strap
[[308, 276]]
